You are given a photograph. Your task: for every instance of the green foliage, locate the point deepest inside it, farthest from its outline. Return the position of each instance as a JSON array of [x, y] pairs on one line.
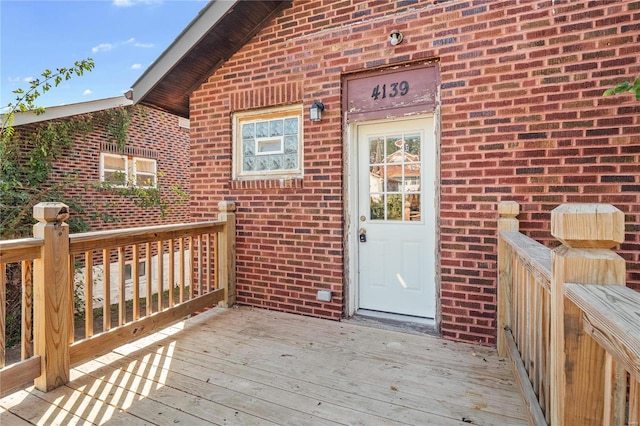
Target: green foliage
[[25, 99], [625, 87], [26, 163], [117, 122], [25, 168], [27, 160]]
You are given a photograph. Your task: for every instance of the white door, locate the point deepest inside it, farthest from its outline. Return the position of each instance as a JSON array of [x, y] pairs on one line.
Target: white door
[[396, 217]]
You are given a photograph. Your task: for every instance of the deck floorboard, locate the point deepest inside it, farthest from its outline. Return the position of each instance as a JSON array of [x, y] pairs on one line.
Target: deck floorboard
[[247, 366]]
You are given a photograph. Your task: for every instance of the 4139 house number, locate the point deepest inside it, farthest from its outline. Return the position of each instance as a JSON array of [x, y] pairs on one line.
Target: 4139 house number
[[393, 90]]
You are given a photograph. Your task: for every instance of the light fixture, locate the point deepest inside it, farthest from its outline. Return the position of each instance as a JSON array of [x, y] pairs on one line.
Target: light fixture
[[315, 112], [395, 38]]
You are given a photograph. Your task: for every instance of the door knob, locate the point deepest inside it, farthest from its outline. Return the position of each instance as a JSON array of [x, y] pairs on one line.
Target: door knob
[[363, 235]]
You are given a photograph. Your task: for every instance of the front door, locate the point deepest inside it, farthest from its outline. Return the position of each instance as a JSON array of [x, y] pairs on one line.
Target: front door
[[396, 217]]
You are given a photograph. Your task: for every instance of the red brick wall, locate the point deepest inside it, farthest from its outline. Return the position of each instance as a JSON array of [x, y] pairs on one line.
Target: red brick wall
[[150, 129], [522, 118]]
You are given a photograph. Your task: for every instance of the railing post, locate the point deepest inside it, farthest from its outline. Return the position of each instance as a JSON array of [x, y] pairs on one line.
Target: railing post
[[587, 232], [507, 211], [52, 295], [227, 253]]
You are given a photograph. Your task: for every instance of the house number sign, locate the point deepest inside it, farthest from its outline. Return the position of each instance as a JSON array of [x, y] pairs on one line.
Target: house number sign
[[393, 90], [391, 93]]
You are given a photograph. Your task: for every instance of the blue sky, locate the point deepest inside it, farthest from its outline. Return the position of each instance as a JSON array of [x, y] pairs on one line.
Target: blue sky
[[123, 37]]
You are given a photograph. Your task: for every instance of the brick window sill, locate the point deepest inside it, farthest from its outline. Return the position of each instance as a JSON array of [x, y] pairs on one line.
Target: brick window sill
[[278, 183]]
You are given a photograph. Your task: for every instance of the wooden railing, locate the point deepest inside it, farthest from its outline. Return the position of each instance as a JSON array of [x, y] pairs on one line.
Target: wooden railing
[[95, 291], [566, 320]]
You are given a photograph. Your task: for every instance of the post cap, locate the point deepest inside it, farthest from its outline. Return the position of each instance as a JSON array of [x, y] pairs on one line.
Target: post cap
[[508, 208], [588, 225], [226, 206], [51, 212]]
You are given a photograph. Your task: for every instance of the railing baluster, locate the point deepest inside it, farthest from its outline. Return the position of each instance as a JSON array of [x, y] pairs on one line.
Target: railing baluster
[[26, 347], [207, 257], [534, 349], [171, 271], [181, 241], [634, 402], [615, 392], [545, 388], [135, 276], [72, 289], [122, 296], [160, 276], [192, 263], [527, 329], [149, 287], [200, 265], [88, 294], [215, 259], [106, 289]]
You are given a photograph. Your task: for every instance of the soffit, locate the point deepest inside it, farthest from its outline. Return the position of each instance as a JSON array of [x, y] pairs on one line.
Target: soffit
[[220, 29]]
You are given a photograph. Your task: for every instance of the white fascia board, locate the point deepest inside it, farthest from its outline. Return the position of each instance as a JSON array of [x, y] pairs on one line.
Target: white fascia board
[[64, 111], [208, 17]]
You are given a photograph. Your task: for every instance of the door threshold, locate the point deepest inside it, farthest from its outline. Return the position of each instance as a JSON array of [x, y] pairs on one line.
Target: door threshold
[[395, 322]]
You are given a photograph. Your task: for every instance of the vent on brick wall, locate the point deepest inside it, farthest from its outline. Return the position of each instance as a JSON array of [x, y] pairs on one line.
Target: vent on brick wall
[[184, 123], [129, 150]]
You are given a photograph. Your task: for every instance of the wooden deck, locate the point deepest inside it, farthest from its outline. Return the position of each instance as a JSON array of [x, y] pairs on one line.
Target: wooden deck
[[248, 366]]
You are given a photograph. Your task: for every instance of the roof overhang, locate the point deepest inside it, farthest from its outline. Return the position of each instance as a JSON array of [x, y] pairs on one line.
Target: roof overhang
[[64, 111], [221, 28]]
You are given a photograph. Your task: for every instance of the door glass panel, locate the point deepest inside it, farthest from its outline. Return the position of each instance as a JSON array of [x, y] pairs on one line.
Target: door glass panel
[[412, 145], [411, 178], [376, 201], [395, 207], [376, 150], [376, 179], [412, 207], [394, 149], [395, 177]]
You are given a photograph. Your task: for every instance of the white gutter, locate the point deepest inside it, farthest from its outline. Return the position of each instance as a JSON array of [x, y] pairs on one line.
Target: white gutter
[[63, 111]]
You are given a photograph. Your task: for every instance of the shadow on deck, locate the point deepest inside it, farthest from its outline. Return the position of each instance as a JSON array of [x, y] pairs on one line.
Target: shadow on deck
[[251, 366]]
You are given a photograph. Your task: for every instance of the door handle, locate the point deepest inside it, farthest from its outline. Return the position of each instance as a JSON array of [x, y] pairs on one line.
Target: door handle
[[363, 235]]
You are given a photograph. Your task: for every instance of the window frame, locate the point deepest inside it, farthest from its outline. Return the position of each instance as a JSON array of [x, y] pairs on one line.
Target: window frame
[[131, 170], [103, 155], [153, 161], [265, 114]]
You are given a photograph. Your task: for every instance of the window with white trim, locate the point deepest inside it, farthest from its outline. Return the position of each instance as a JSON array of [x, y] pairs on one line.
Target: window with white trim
[[144, 171], [122, 170], [268, 143]]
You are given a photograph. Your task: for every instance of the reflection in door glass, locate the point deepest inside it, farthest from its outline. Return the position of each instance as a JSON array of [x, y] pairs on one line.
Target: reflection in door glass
[[395, 207], [395, 177], [412, 207], [376, 150], [376, 201], [411, 181]]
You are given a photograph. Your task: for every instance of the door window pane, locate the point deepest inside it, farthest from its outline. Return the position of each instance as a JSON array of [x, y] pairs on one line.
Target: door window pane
[[395, 177], [395, 207], [376, 203]]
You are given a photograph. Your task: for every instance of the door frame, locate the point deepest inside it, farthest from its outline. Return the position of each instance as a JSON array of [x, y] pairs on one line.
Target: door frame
[[351, 188]]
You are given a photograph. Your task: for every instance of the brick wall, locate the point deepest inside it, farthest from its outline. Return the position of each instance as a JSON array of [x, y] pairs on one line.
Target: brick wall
[[151, 134], [522, 118]]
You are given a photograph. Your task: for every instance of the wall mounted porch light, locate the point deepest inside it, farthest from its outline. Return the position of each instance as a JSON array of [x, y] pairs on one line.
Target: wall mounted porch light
[[395, 38], [315, 112]]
